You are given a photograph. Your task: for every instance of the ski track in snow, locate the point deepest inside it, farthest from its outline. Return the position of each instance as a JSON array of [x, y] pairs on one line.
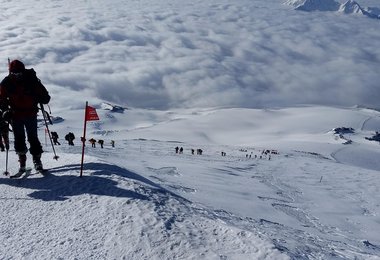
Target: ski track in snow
[[325, 240], [161, 217], [310, 239], [164, 198]]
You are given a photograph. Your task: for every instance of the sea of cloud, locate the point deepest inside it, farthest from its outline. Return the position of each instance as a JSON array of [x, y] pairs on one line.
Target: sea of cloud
[[168, 54]]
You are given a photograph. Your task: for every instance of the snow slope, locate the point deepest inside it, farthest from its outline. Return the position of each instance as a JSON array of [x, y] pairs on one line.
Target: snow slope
[[352, 7], [348, 7], [314, 5], [316, 198]]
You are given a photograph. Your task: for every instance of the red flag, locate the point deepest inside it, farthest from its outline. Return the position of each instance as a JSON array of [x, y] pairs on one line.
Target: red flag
[[91, 114]]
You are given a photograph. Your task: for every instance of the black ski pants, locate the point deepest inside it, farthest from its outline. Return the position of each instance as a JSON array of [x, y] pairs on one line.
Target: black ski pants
[[28, 125]]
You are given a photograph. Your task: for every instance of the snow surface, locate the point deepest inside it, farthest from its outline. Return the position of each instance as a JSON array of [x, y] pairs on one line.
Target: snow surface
[[314, 5], [351, 7], [219, 76], [348, 7], [315, 197]]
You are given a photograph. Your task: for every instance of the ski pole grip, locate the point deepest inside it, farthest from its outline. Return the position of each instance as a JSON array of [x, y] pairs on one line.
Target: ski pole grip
[[45, 115]]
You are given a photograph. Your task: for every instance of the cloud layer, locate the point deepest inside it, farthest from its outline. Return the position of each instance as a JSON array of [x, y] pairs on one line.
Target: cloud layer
[[168, 54]]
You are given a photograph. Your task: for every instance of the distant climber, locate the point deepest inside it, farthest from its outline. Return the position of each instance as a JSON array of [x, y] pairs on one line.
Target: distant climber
[[93, 142], [54, 136], [70, 138]]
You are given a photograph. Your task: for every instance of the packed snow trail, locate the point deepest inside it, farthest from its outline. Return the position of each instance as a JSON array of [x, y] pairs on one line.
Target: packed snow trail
[[315, 199], [112, 213], [275, 205]]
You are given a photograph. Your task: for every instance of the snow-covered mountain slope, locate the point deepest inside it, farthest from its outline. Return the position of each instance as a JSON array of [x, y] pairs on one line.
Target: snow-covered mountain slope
[[314, 5], [314, 195], [351, 7], [348, 7]]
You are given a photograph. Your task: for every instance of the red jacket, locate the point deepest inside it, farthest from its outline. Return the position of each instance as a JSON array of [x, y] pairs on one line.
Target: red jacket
[[22, 95]]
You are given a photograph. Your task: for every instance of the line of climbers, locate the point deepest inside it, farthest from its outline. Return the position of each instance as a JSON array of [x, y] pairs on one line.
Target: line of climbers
[[180, 150], [22, 95], [70, 137], [263, 154]]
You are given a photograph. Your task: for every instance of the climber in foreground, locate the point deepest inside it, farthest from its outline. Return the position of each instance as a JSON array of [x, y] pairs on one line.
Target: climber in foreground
[[20, 93]]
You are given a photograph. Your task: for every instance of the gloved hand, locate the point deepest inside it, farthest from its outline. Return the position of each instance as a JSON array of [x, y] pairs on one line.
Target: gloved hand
[[7, 115]]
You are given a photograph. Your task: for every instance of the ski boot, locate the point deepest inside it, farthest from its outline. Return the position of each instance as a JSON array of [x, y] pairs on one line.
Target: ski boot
[[20, 172], [22, 169], [37, 163]]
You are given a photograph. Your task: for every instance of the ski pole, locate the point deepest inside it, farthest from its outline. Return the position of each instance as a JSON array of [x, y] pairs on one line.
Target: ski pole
[[6, 173], [47, 128], [46, 114], [49, 109]]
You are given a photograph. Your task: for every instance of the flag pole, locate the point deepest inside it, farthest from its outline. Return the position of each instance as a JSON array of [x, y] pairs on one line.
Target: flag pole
[[83, 139]]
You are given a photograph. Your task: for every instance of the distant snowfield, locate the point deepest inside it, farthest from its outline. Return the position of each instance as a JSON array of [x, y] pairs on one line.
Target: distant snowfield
[[295, 127], [315, 197]]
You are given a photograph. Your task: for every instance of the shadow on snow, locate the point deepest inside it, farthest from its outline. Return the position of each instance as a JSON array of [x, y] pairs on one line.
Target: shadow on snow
[[59, 187]]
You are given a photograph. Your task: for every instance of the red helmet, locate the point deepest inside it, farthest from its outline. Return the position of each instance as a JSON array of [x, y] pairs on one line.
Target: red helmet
[[16, 66]]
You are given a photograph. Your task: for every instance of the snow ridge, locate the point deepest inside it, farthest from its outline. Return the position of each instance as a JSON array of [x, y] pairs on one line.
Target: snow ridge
[[349, 7], [314, 5]]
